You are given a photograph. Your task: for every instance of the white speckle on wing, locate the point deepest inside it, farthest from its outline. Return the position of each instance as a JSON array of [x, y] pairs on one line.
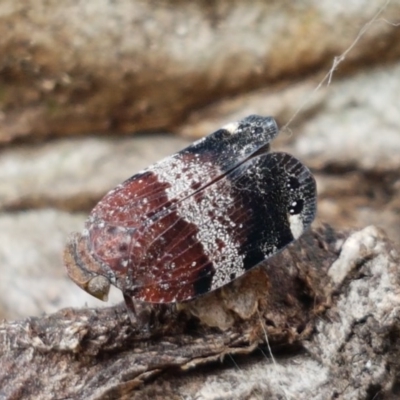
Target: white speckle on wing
[[232, 127], [181, 174], [209, 211]]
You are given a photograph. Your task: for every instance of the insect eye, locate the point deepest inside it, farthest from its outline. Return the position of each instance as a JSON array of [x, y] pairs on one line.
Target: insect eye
[[99, 286], [296, 207]]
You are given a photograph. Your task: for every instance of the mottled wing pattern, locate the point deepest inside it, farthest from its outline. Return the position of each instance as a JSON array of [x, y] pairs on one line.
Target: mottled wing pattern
[[177, 176], [118, 226], [221, 231]]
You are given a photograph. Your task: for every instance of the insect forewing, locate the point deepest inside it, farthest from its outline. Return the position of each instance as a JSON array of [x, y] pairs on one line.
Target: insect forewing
[[225, 229]]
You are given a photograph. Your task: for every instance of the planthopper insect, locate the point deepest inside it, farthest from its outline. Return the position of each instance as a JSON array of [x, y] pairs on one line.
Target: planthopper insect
[[196, 220]]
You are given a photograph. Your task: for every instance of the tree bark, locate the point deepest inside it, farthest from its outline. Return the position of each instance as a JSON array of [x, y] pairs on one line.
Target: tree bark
[[328, 307]]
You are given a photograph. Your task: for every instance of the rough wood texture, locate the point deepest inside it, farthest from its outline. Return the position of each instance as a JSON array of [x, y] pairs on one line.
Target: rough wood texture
[[131, 65], [333, 305]]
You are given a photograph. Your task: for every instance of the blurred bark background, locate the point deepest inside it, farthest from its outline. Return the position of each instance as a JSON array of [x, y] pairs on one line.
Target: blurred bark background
[[91, 92]]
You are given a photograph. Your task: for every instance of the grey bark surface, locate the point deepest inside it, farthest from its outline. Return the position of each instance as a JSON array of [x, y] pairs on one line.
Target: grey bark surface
[[330, 310], [123, 66]]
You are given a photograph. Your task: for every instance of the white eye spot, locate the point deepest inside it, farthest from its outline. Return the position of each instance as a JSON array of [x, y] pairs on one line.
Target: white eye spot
[[194, 263], [124, 263], [296, 225]]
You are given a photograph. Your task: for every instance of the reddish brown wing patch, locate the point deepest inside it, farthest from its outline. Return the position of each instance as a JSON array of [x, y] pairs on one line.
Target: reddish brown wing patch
[[183, 245], [132, 202], [172, 259]]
